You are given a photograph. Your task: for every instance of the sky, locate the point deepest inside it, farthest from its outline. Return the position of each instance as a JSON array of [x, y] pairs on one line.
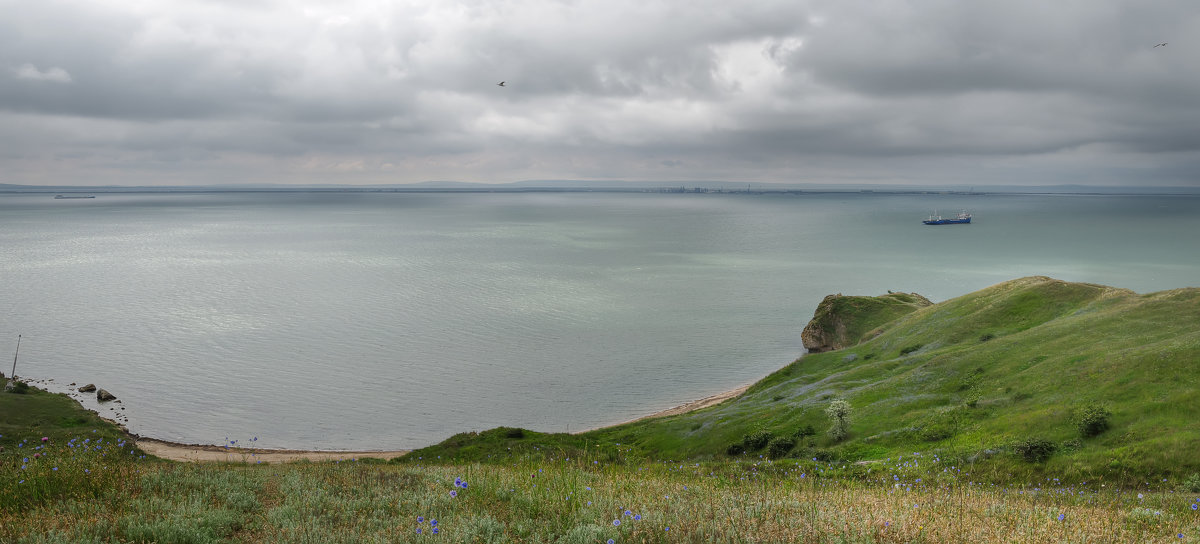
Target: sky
[[927, 92]]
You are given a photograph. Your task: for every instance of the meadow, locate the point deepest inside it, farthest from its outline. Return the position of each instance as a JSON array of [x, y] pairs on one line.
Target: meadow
[[1033, 411], [98, 490]]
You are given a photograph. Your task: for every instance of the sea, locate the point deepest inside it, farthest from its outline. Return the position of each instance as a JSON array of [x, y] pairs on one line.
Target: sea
[[378, 321]]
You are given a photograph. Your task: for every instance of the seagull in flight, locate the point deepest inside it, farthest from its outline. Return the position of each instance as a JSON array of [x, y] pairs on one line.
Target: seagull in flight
[[501, 84], [1163, 44]]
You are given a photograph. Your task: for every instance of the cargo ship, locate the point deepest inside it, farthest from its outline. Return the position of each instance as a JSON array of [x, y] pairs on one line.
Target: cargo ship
[[962, 218]]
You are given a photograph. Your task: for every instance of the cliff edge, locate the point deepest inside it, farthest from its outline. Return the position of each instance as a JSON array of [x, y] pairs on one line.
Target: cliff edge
[[842, 321]]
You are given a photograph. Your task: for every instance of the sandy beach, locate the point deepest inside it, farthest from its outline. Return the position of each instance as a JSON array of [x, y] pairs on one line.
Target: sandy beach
[[210, 453]]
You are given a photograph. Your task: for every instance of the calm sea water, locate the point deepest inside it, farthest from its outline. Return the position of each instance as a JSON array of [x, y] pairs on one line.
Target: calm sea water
[[380, 321]]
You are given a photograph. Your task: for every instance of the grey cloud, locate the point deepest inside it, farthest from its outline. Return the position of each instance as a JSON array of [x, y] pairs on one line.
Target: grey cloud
[[405, 91]]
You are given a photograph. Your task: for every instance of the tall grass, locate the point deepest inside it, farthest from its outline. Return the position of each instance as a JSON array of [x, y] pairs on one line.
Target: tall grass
[[579, 499]]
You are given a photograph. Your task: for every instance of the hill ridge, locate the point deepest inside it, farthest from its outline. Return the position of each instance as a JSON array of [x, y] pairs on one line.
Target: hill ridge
[[972, 377]]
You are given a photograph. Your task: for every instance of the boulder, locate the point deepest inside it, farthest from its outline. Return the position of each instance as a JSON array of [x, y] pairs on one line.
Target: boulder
[[87, 388], [104, 396]]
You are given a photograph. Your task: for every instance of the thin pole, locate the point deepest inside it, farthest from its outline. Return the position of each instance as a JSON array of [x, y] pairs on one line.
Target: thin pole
[[14, 371]]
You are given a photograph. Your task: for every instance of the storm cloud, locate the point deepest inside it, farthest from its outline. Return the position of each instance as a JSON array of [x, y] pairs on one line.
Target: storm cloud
[[937, 92]]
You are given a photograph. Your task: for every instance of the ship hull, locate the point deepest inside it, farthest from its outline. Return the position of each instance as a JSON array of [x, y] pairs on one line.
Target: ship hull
[[947, 221]]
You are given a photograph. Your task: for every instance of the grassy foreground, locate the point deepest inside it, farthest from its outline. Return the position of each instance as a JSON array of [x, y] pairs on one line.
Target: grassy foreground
[[83, 490], [943, 397]]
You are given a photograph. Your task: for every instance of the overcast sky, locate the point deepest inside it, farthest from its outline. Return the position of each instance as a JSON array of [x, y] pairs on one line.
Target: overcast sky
[[171, 92]]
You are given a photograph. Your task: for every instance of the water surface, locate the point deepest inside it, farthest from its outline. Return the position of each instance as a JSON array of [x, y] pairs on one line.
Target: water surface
[[381, 321]]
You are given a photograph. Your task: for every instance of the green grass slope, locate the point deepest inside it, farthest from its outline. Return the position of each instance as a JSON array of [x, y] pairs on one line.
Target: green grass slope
[[972, 378], [842, 321]]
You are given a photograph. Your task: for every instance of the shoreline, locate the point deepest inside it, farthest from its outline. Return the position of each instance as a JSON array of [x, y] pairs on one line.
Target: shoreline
[[202, 453], [211, 453], [197, 453]]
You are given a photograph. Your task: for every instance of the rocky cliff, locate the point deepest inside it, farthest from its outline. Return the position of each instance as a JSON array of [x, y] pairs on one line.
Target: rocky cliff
[[842, 321]]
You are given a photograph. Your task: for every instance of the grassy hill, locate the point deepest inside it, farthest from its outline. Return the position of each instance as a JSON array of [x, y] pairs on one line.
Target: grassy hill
[[1001, 378], [946, 400]]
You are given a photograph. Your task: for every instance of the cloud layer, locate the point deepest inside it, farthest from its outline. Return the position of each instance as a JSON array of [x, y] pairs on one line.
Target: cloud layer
[[265, 91]]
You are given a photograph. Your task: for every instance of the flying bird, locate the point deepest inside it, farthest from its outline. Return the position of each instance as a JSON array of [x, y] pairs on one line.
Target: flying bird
[[501, 84], [1163, 44]]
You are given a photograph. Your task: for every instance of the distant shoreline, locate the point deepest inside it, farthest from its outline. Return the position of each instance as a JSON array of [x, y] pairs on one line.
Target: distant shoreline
[[194, 453], [679, 187], [211, 453]]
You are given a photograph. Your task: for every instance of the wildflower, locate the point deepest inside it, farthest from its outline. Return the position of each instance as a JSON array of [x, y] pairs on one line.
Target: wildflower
[[435, 530], [616, 523], [667, 529], [453, 493], [1195, 506], [420, 519], [418, 530], [611, 541], [45, 439], [433, 522], [1061, 516]]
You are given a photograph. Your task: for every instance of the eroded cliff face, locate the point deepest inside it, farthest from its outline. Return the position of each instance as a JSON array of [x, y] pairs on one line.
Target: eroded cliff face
[[826, 331], [841, 321]]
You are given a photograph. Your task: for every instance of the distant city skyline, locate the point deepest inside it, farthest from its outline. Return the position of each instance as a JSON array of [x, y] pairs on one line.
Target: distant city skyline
[[891, 93]]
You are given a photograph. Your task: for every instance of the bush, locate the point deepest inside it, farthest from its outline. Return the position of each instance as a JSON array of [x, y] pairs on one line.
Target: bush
[[911, 349], [1035, 450], [757, 440], [1093, 421], [735, 449], [1193, 483], [19, 388], [779, 447], [806, 431], [514, 432]]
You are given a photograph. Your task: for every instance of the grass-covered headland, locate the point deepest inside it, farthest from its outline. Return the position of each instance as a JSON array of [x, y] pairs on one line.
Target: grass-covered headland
[[1031, 411]]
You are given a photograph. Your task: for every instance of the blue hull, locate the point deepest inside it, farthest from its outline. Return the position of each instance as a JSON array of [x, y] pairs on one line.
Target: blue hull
[[947, 221]]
